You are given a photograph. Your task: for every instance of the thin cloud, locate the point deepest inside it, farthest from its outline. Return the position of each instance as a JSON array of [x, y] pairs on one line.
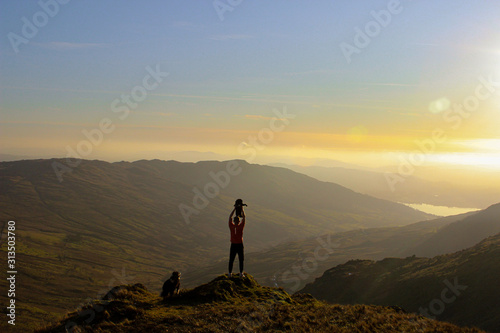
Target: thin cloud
[[257, 117], [230, 37], [311, 72], [64, 89], [412, 114], [391, 84], [44, 123], [161, 114], [223, 98], [72, 46], [426, 44]]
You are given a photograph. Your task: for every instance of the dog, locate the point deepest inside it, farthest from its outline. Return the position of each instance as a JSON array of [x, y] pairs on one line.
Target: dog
[[171, 286], [238, 204]]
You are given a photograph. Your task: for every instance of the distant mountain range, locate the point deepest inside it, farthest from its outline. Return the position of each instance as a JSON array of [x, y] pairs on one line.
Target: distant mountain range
[[108, 221], [461, 287], [412, 190], [10, 157]]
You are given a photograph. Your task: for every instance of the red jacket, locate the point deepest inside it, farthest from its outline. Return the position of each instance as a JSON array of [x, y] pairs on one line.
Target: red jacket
[[236, 231]]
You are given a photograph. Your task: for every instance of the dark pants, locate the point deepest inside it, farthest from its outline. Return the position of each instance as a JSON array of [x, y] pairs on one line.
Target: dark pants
[[236, 249]]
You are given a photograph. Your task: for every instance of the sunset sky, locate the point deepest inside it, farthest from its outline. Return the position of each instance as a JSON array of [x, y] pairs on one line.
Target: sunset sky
[[367, 82]]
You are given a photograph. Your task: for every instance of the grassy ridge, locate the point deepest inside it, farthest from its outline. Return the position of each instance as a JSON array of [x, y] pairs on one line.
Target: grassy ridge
[[238, 305]]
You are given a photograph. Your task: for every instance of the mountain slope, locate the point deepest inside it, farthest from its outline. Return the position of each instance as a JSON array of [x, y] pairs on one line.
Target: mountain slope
[[412, 190], [462, 234], [108, 221], [291, 193], [461, 287], [237, 305]]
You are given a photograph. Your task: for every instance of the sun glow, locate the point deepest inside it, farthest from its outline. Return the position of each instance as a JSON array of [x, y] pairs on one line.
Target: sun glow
[[490, 145], [490, 161], [479, 152]]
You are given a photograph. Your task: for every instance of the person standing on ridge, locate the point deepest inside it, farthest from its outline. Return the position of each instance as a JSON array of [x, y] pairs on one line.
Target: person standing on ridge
[[236, 228]]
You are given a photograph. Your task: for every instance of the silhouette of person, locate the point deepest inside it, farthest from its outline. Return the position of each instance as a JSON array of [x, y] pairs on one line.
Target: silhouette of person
[[236, 228]]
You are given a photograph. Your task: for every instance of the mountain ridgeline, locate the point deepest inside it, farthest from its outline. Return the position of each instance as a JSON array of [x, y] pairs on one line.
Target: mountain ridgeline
[[411, 190], [161, 200], [107, 222]]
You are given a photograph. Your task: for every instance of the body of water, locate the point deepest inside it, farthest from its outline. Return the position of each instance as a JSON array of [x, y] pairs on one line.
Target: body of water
[[441, 210]]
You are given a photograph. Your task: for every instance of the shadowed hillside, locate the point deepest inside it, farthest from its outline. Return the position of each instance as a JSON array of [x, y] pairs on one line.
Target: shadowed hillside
[[461, 287], [237, 305]]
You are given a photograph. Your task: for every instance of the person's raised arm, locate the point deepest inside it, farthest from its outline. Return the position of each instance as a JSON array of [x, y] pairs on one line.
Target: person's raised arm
[[231, 216]]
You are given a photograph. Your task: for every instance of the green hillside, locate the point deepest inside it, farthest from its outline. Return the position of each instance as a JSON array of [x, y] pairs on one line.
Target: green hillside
[[237, 305], [461, 287], [107, 223]]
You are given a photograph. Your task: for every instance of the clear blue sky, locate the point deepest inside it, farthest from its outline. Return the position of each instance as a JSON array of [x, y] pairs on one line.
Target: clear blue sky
[[226, 76]]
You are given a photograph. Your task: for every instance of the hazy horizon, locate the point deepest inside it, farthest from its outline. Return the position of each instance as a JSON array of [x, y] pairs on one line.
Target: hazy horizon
[[407, 87]]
